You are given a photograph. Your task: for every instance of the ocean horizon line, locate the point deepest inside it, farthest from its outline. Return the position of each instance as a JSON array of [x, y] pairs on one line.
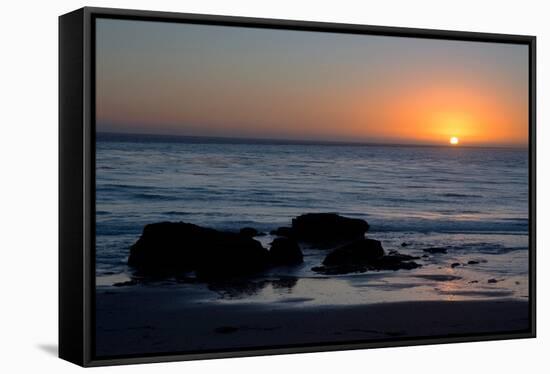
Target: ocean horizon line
[[206, 139]]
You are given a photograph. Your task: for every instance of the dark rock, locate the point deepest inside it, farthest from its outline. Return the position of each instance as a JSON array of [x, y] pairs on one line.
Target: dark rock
[[328, 228], [492, 280], [170, 248], [249, 231], [435, 250], [285, 251], [363, 255], [402, 257], [474, 281], [395, 262], [455, 264], [356, 253], [283, 231], [404, 244], [425, 256], [472, 262]]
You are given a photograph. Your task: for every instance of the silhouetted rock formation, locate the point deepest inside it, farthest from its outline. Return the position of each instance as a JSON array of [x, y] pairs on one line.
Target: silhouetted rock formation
[[249, 231], [178, 248], [285, 251], [394, 262], [283, 231], [324, 228], [359, 252], [169, 248], [364, 255]]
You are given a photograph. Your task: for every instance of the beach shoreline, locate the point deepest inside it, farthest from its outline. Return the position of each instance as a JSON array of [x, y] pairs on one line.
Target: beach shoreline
[[148, 319]]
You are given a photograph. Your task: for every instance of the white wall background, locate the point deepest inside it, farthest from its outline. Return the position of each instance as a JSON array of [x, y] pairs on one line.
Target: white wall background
[[28, 184]]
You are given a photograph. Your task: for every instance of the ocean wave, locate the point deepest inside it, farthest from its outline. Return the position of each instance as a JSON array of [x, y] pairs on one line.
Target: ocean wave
[[176, 213], [117, 186], [459, 211], [461, 195], [155, 196], [451, 226]]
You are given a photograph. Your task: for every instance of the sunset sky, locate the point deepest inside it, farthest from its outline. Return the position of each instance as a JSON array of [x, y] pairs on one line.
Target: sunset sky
[[167, 78]]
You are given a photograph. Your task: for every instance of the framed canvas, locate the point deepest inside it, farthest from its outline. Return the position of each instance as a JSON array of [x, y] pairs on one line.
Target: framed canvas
[[237, 186]]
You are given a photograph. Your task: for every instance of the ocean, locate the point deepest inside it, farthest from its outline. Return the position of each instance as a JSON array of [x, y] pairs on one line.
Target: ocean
[[473, 201]]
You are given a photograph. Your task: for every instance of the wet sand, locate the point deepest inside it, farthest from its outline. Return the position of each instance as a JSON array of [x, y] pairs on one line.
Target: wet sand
[[142, 319]]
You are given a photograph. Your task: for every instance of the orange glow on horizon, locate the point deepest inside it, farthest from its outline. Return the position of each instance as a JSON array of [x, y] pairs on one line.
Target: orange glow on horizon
[[417, 113], [435, 114]]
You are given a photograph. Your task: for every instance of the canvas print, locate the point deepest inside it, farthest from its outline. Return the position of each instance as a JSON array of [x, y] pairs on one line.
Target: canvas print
[[261, 188]]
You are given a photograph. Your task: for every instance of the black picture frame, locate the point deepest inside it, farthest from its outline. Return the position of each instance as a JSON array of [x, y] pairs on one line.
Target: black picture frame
[[77, 179]]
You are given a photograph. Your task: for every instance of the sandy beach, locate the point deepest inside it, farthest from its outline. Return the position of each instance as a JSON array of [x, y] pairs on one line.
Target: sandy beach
[[144, 319]]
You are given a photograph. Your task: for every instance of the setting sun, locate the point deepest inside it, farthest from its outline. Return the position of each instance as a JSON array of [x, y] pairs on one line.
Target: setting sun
[[453, 140]]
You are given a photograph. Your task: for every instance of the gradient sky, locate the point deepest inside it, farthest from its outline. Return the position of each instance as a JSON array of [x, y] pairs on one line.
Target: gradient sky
[[168, 78]]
